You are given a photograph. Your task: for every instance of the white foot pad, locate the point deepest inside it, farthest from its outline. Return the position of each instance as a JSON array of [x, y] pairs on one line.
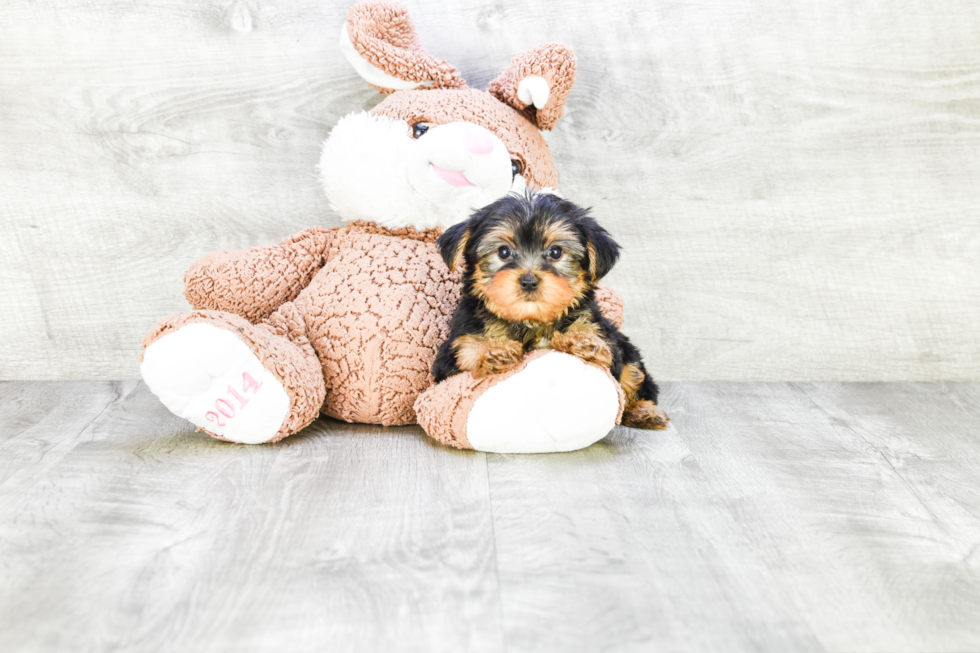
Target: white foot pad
[[556, 403], [206, 375]]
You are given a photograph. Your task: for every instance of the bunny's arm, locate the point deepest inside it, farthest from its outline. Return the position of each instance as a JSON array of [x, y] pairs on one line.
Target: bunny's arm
[[611, 304], [255, 283]]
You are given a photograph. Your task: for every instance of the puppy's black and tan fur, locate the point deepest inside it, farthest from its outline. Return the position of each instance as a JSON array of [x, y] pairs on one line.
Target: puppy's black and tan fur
[[532, 264]]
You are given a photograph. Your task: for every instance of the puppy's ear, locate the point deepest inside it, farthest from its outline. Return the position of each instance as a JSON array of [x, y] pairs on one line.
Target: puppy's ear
[[452, 244], [603, 250]]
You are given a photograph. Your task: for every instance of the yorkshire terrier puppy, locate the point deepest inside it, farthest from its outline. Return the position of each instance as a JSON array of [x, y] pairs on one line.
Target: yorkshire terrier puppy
[[532, 265]]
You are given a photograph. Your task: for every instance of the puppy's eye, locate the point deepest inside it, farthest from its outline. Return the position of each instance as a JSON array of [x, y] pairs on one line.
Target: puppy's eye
[[504, 253], [516, 167], [555, 253], [419, 129]]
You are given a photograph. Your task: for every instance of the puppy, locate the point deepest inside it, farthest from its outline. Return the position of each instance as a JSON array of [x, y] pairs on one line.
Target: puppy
[[532, 265]]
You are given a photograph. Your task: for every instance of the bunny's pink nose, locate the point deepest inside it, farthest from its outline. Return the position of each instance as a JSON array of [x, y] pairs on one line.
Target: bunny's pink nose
[[478, 141]]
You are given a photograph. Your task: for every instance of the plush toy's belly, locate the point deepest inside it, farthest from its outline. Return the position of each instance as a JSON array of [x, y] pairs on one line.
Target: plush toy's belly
[[376, 315]]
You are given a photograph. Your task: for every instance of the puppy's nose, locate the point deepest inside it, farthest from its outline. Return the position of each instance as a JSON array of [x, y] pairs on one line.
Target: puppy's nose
[[478, 141], [529, 282]]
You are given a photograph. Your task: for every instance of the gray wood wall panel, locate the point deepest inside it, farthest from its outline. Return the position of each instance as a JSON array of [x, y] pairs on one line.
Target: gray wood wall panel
[[796, 183]]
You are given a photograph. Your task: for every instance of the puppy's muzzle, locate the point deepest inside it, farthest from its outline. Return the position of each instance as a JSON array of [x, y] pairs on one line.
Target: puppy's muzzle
[[529, 282]]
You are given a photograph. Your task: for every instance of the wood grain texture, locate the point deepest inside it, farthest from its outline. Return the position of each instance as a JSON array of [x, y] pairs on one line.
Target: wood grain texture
[[795, 183], [146, 536], [928, 435], [769, 517], [860, 554]]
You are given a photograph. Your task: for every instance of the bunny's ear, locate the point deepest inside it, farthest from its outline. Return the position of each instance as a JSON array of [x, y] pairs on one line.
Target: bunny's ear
[[379, 40], [537, 82]]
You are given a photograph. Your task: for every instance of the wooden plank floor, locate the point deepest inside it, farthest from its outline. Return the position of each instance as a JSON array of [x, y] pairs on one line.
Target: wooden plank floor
[[770, 517]]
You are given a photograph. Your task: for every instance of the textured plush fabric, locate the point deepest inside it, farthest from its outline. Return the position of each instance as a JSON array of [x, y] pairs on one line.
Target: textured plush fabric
[[280, 343], [444, 409], [552, 61], [253, 284], [376, 307], [439, 107], [376, 315], [383, 34], [358, 341], [611, 304]]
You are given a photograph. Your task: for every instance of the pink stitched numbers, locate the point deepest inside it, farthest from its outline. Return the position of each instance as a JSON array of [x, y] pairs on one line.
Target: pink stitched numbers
[[225, 408]]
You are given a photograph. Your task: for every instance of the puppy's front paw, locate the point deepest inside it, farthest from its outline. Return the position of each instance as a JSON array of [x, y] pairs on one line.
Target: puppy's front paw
[[645, 414], [581, 344], [483, 356]]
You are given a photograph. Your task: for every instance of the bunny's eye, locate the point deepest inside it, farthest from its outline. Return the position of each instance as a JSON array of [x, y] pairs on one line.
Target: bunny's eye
[[419, 129], [516, 167]]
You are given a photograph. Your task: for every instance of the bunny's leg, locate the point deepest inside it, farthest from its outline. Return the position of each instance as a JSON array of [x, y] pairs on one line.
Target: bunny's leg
[[238, 381], [255, 283], [550, 402]]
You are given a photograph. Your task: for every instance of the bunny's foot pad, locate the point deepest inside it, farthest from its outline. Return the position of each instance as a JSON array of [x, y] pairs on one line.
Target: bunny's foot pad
[[208, 376], [550, 402]]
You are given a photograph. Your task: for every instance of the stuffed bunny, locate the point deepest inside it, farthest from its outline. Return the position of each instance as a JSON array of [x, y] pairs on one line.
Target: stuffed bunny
[[347, 321]]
